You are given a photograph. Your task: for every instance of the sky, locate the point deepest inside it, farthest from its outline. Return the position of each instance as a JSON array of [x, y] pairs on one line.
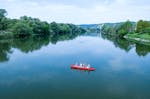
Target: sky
[[79, 11]]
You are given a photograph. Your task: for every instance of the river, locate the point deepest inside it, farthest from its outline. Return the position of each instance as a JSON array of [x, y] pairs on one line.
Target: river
[[39, 68]]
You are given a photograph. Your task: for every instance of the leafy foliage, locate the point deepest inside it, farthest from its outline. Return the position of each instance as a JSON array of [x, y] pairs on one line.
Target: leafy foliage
[[125, 28], [21, 29], [118, 29], [34, 26], [142, 26]]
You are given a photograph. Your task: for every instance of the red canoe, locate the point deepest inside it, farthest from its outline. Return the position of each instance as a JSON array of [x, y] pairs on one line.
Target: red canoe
[[82, 68]]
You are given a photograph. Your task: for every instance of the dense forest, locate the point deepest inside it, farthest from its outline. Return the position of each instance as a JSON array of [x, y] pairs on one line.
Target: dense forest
[[26, 26]]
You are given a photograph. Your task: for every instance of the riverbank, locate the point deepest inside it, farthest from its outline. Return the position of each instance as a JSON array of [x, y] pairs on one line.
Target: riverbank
[[138, 38]]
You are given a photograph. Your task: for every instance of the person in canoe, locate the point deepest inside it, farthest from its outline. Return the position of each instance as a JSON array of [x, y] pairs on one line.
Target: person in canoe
[[82, 67], [88, 66]]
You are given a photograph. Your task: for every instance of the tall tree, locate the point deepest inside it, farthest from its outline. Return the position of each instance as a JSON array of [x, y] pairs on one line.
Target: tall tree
[[3, 13]]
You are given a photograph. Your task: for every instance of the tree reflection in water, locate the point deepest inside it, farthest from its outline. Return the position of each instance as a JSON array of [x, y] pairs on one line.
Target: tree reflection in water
[[30, 44], [141, 49]]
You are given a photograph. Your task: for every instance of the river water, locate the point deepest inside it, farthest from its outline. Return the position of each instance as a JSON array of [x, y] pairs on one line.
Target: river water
[[39, 68]]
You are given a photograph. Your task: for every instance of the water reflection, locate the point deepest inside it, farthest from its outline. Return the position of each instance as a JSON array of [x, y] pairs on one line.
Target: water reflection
[[30, 44], [4, 51], [141, 50], [82, 71]]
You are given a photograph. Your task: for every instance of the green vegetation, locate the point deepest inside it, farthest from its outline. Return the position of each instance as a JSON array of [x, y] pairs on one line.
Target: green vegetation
[[118, 29], [143, 27], [141, 34], [28, 34], [28, 26], [139, 38], [3, 19], [137, 35], [137, 32]]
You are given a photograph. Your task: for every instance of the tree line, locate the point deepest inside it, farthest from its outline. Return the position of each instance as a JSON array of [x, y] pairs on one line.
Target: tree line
[[26, 26], [128, 27]]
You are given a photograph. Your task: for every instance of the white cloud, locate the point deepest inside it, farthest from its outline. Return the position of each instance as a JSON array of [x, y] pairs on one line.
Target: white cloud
[[79, 11]]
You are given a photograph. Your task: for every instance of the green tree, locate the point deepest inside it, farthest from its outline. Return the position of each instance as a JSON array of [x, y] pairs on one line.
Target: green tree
[[3, 19], [21, 29], [3, 13], [64, 28], [38, 27], [125, 28], [34, 26], [54, 28], [141, 26], [3, 23]]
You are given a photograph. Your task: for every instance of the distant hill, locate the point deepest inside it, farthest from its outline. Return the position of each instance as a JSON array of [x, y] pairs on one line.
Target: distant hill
[[89, 25], [116, 24], [98, 25]]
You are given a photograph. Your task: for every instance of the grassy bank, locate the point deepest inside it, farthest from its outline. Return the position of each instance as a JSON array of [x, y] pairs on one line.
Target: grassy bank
[[139, 38]]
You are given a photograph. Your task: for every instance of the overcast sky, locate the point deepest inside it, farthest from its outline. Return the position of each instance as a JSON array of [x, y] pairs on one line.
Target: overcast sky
[[79, 11]]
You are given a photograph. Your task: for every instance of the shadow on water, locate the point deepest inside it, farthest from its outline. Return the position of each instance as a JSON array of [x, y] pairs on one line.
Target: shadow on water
[[123, 44]]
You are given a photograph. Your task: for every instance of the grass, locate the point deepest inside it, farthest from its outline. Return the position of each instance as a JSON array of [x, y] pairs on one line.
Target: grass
[[138, 38], [145, 36]]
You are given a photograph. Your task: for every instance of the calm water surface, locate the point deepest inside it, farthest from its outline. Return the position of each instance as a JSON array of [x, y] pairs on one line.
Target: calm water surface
[[40, 69]]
